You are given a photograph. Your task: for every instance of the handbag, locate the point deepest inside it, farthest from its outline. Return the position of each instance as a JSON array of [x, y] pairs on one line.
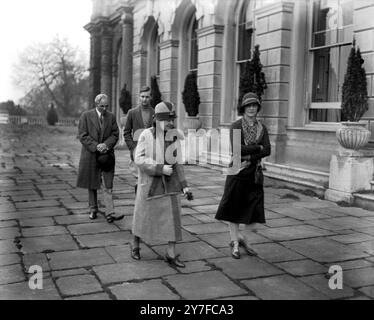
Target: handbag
[[259, 176]]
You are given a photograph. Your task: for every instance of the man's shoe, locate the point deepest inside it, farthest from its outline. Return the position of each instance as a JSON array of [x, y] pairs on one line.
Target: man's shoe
[[110, 218], [135, 253], [174, 261], [92, 215], [235, 253], [247, 248]]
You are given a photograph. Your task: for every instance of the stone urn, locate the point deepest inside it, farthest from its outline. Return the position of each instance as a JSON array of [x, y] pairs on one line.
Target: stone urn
[[353, 135], [193, 123]]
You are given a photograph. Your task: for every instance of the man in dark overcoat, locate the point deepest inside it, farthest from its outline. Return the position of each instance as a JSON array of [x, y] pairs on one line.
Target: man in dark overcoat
[[98, 133]]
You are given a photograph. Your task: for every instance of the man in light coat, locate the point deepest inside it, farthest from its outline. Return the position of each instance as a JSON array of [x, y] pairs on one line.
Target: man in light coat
[[98, 133]]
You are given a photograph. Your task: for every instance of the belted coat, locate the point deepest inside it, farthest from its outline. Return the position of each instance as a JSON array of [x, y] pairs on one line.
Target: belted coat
[[90, 135]]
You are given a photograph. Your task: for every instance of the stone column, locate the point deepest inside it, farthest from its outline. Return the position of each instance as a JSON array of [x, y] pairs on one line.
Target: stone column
[[127, 20], [274, 35], [210, 74], [169, 71], [95, 62], [139, 73], [106, 59]]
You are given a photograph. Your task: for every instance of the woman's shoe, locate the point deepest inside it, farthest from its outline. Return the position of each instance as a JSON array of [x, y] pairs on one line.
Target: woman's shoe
[[135, 253], [247, 248], [235, 253], [174, 261]]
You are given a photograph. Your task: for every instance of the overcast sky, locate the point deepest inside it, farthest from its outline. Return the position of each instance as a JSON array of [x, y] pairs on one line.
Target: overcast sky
[[24, 22]]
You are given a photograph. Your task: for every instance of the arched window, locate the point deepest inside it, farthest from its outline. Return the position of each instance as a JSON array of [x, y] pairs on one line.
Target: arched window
[[154, 53], [194, 46], [244, 37]]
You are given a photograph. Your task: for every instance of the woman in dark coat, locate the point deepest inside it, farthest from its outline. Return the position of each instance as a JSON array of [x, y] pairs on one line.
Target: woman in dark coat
[[243, 198]]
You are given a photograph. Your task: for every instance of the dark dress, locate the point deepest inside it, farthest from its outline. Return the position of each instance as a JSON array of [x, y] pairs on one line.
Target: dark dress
[[243, 200]]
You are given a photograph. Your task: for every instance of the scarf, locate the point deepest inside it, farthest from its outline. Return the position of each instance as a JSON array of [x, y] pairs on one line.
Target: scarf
[[252, 134]]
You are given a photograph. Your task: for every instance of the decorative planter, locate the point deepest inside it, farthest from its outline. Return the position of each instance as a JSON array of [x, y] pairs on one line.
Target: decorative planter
[[353, 135], [193, 123]]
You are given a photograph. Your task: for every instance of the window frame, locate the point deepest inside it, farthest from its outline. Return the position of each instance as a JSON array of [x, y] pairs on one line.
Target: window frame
[[326, 105]]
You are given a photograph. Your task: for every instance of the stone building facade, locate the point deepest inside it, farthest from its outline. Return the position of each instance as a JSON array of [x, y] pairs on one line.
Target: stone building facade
[[304, 49]]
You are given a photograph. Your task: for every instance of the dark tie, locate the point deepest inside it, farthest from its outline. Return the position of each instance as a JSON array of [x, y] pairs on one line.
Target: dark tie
[[101, 120]]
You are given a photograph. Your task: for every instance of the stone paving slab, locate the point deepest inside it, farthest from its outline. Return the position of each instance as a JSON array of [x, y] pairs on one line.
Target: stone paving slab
[[8, 259], [104, 239], [352, 238], [298, 213], [206, 228], [37, 204], [11, 274], [39, 259], [69, 272], [147, 290], [79, 258], [245, 268], [302, 267], [9, 233], [48, 243], [78, 285], [96, 296], [369, 291], [92, 228], [37, 222], [137, 270], [7, 246], [274, 252], [21, 291], [222, 240], [123, 253], [324, 250], [192, 251], [44, 231], [283, 287], [293, 233], [204, 285], [7, 224], [359, 277], [320, 283]]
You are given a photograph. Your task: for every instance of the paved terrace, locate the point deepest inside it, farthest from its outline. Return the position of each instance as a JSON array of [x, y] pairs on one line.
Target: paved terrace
[[44, 221]]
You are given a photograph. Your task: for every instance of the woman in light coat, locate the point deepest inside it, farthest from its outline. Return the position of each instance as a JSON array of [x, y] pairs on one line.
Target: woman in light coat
[[157, 212]]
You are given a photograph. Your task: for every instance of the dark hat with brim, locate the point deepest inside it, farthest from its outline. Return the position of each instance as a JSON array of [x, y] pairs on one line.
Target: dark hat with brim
[[164, 111], [250, 98], [105, 161]]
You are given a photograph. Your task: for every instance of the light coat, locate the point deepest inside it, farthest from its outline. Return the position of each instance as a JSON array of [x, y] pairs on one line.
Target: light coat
[[157, 212]]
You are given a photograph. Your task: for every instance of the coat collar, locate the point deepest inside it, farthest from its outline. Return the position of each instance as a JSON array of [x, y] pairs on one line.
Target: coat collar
[[139, 115]]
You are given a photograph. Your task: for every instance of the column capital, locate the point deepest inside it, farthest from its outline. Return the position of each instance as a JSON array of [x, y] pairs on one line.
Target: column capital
[[169, 43], [210, 30], [127, 16]]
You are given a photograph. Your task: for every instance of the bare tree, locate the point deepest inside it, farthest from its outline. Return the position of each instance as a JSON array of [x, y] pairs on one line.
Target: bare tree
[[56, 69]]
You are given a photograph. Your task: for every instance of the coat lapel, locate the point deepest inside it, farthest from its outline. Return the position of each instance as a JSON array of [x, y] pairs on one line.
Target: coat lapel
[[95, 119], [140, 118]]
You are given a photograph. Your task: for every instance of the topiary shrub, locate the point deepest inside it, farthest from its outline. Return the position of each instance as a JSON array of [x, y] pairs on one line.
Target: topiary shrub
[[354, 94], [190, 95], [252, 79], [124, 101], [155, 92], [52, 116]]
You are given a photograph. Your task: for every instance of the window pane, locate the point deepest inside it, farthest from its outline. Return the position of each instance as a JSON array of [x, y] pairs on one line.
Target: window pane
[[333, 21], [194, 47], [244, 34], [325, 115]]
